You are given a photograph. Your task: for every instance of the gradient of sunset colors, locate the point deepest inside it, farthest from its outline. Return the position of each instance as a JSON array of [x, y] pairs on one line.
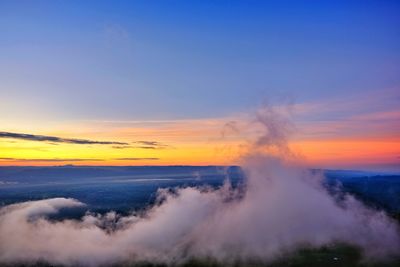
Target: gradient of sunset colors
[[177, 82]]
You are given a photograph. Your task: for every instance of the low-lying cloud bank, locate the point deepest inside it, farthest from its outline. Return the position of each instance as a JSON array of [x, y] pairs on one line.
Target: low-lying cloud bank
[[280, 208]]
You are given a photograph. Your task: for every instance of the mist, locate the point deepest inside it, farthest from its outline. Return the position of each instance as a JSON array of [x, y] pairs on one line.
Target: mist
[[281, 207]]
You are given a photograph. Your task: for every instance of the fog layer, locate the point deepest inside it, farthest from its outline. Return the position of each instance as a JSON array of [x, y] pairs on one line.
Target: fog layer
[[280, 207]]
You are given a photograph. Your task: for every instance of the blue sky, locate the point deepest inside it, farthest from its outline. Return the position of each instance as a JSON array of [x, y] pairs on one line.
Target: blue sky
[[174, 72], [190, 59]]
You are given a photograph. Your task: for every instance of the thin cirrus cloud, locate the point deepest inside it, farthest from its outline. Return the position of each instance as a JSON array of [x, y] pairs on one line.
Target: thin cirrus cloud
[[150, 145], [47, 160], [55, 139], [137, 159], [69, 160], [143, 145]]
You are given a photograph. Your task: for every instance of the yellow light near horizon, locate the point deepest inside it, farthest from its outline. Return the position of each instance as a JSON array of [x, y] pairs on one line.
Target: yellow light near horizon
[[189, 143], [30, 153]]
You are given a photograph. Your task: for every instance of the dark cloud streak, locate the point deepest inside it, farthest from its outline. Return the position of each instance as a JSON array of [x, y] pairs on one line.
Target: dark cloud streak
[[137, 159], [122, 147], [48, 160], [66, 160], [55, 139], [143, 145], [150, 145]]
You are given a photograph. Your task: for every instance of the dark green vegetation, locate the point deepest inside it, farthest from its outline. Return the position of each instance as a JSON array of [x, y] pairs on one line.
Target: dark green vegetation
[[329, 256]]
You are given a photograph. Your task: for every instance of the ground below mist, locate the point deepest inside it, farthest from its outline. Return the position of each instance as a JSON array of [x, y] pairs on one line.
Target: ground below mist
[[123, 189], [128, 189]]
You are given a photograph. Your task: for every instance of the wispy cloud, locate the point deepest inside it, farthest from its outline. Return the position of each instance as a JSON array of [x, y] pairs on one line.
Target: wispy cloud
[[47, 159], [137, 158], [122, 147], [143, 145], [55, 139], [11, 159], [116, 33], [150, 145]]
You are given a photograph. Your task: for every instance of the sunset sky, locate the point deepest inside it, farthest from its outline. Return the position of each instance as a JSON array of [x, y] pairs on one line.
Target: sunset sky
[[177, 82]]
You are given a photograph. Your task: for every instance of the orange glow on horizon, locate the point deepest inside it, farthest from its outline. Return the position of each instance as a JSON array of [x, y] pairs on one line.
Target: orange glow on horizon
[[186, 142], [315, 153]]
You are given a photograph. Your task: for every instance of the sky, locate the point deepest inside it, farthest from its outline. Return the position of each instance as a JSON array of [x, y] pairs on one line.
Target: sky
[[164, 82]]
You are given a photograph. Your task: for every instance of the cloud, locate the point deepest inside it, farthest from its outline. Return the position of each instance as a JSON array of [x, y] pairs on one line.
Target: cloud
[[150, 145], [369, 114], [137, 158], [116, 33], [122, 147], [54, 139], [47, 159], [144, 145], [67, 160], [198, 222], [281, 208]]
